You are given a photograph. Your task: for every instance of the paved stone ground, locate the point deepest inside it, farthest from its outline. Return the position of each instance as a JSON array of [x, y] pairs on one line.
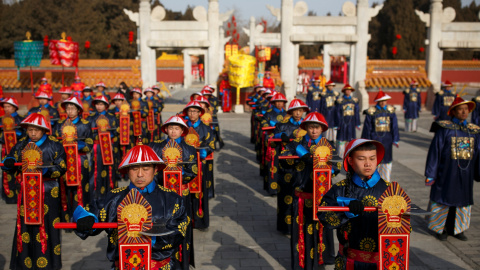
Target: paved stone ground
[[242, 231]]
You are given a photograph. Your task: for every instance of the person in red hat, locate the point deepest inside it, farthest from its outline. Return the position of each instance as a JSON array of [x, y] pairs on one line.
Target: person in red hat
[[77, 87], [443, 100], [10, 106], [451, 168], [357, 231], [46, 87], [412, 106], [38, 246], [175, 129], [289, 127], [100, 89], [275, 115], [314, 95], [328, 109], [306, 247], [168, 209], [194, 111], [381, 125], [214, 104], [347, 117], [44, 101], [225, 93], [103, 177], [73, 108], [87, 98], [268, 81]]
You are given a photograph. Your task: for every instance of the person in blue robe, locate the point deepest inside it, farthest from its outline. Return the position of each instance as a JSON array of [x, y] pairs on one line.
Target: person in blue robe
[[412, 106], [443, 100], [314, 95], [328, 109], [347, 118], [451, 167]]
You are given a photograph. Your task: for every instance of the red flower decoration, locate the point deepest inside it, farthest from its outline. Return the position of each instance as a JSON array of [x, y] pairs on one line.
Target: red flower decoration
[[394, 50], [399, 36]]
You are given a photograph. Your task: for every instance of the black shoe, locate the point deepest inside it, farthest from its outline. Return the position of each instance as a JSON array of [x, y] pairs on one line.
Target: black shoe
[[442, 236], [461, 237]]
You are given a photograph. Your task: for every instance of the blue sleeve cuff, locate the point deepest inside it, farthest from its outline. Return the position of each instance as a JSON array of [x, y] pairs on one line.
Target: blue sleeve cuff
[[18, 132], [301, 151], [80, 212], [344, 201], [254, 99], [203, 153], [278, 135], [3, 161], [272, 124]]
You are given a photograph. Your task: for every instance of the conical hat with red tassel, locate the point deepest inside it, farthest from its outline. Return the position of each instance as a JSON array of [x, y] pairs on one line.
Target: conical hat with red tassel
[[193, 104], [460, 101], [314, 117], [11, 100], [381, 96], [36, 120], [175, 120], [139, 155], [297, 104], [75, 101]]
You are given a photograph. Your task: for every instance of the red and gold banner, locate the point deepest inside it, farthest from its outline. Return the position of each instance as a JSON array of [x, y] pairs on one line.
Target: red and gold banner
[[135, 256], [137, 123], [322, 172], [10, 138], [394, 228], [124, 125], [151, 120], [172, 174], [32, 184], [134, 215], [104, 140], [73, 174], [69, 141]]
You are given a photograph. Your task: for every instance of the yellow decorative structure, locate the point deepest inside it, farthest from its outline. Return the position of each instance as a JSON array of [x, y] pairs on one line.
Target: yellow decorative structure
[[241, 72]]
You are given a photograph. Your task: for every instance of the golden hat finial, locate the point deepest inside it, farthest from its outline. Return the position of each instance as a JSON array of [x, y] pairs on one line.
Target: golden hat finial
[[64, 36], [28, 35]]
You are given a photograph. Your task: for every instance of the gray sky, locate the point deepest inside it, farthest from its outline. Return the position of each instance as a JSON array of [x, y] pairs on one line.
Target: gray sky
[[256, 8]]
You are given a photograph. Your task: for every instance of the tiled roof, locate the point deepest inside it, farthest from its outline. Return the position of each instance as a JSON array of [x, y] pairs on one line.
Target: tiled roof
[[395, 73]]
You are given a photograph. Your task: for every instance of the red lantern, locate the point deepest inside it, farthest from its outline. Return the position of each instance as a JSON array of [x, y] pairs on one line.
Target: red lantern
[[130, 37], [229, 25], [233, 17], [422, 49], [109, 46], [228, 33], [87, 45], [45, 41], [394, 50], [399, 36]]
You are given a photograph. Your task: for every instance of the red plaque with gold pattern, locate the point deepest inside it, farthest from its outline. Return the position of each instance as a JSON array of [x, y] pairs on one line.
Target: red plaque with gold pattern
[[69, 141], [193, 139], [124, 125], [322, 172], [172, 174], [394, 228], [137, 123], [9, 135], [134, 215], [137, 118], [61, 113], [32, 184], [105, 140], [151, 120]]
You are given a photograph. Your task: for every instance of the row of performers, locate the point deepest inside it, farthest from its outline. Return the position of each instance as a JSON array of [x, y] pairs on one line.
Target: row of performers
[[270, 120], [287, 143], [72, 188]]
